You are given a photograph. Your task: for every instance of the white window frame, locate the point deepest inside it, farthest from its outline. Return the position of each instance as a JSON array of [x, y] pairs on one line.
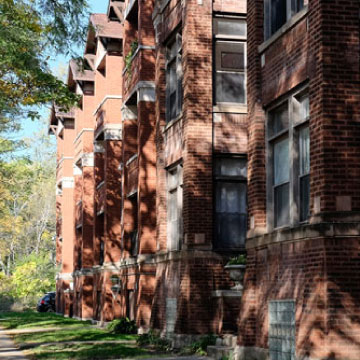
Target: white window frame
[[295, 124], [230, 39], [175, 172]]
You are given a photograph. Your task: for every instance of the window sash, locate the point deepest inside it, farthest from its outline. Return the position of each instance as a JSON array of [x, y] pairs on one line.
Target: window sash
[[174, 208], [174, 79], [278, 12]]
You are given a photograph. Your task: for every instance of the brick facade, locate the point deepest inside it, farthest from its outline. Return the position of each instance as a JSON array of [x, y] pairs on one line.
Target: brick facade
[[138, 220]]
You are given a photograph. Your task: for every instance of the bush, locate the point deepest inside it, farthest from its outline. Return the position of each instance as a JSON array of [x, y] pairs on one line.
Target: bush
[[199, 347], [122, 326], [153, 340]]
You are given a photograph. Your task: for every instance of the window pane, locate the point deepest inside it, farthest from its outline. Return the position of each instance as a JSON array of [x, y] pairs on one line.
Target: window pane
[[296, 6], [231, 167], [232, 60], [230, 27], [304, 151], [279, 120], [230, 55], [304, 197], [230, 87], [173, 213], [278, 14], [231, 218], [304, 107], [172, 78], [281, 161], [282, 202]]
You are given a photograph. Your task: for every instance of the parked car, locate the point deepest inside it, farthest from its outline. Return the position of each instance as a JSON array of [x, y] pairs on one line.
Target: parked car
[[47, 303]]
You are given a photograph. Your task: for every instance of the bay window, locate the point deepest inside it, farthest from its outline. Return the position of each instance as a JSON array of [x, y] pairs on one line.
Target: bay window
[[288, 173]]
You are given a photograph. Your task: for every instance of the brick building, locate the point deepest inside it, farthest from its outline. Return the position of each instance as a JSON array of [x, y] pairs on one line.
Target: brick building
[[301, 296], [208, 128]]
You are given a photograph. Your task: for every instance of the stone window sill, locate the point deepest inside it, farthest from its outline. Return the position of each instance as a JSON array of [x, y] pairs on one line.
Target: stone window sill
[[172, 122], [284, 29]]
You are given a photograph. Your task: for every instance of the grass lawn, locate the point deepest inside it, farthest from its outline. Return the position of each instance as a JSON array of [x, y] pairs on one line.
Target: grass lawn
[[40, 345]]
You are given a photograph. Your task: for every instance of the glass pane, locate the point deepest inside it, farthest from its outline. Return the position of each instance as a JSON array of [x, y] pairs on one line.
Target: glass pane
[[231, 218], [172, 78], [304, 151], [232, 27], [230, 55], [232, 60], [278, 14], [173, 213], [304, 197], [282, 205], [172, 50], [281, 161], [172, 105], [231, 167], [230, 87], [304, 107], [296, 6], [279, 120]]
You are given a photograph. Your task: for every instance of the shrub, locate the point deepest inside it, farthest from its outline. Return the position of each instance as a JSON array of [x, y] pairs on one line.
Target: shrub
[[237, 260], [199, 347], [153, 340], [122, 326]]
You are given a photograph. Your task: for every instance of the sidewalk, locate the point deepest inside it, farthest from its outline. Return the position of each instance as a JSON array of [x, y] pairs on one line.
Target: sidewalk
[[8, 350]]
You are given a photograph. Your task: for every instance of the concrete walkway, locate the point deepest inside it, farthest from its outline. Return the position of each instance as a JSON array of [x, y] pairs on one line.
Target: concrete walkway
[[8, 350]]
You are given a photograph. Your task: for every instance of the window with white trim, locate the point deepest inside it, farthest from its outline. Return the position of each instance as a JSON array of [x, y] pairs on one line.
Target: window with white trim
[[230, 33], [288, 171], [278, 12], [174, 75], [174, 207]]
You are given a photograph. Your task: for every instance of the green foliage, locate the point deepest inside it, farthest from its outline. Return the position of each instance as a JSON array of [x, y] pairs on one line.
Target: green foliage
[[237, 260], [200, 347], [6, 289], [153, 340], [128, 58], [31, 31], [122, 326], [33, 278]]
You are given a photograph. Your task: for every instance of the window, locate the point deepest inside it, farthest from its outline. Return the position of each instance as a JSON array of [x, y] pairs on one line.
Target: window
[[282, 330], [230, 60], [278, 12], [230, 202], [174, 78], [289, 156], [174, 208], [134, 233]]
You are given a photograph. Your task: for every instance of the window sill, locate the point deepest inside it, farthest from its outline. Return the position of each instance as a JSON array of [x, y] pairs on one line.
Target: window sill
[[230, 108], [172, 122], [284, 29]]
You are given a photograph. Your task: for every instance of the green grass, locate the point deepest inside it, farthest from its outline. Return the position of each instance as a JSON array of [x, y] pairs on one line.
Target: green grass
[[30, 319], [40, 345]]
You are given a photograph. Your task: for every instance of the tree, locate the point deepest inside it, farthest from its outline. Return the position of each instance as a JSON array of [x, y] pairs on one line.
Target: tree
[[30, 31], [27, 198]]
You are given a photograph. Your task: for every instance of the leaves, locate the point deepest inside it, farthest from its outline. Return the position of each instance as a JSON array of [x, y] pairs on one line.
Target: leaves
[[31, 31]]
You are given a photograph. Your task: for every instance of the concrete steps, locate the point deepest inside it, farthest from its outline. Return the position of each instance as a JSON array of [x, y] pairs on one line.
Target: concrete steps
[[223, 349]]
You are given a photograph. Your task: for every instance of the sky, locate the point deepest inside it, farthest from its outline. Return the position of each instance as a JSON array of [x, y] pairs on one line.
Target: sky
[[29, 127]]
